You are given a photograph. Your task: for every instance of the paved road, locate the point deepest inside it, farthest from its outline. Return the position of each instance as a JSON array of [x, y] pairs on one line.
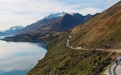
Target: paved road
[[114, 69], [117, 70]]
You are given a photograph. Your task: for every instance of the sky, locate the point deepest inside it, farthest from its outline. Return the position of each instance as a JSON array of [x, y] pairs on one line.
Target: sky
[[25, 12]]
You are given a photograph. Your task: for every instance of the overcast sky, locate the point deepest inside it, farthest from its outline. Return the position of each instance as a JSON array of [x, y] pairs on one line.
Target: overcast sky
[[25, 12]]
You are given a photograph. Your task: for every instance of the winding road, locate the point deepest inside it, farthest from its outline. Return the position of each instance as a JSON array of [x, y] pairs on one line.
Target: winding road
[[117, 70], [113, 69]]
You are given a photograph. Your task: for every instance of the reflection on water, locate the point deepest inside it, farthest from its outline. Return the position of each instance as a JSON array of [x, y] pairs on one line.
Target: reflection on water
[[17, 58], [1, 37]]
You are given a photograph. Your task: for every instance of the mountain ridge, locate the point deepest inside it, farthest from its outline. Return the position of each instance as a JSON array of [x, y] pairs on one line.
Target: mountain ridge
[[56, 15], [47, 24], [11, 31], [100, 29]]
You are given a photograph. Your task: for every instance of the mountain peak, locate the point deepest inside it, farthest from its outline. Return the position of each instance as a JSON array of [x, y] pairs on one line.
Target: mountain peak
[[55, 22], [16, 28], [101, 31], [11, 31], [56, 15], [75, 14]]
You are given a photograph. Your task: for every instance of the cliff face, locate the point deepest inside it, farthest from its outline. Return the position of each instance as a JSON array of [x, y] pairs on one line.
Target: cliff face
[[101, 31]]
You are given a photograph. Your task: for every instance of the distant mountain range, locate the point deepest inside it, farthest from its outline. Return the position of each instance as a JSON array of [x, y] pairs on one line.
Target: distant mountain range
[[11, 31], [53, 22], [56, 22]]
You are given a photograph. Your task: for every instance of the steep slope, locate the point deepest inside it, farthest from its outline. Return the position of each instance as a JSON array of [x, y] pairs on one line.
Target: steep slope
[[60, 60], [36, 27], [65, 22], [56, 22], [101, 31], [45, 22]]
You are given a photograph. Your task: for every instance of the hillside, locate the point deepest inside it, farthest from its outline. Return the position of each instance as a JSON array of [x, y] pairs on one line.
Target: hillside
[[32, 37], [60, 60], [101, 31], [56, 22]]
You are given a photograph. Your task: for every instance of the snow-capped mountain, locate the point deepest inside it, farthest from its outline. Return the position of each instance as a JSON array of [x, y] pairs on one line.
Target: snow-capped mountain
[[57, 15], [15, 28], [55, 22], [11, 30]]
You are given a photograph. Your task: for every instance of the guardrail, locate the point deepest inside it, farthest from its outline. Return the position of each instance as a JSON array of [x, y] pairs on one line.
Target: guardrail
[[111, 73]]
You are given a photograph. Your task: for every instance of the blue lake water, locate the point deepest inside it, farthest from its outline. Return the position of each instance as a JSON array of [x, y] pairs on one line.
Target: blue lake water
[[17, 58]]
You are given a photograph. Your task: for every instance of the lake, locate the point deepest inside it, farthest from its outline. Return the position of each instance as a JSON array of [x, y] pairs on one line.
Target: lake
[[17, 58]]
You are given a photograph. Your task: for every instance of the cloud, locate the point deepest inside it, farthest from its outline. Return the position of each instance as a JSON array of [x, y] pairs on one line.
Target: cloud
[[25, 12], [89, 10]]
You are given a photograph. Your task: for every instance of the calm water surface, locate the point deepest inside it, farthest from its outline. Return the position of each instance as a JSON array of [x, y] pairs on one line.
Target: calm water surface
[[17, 58]]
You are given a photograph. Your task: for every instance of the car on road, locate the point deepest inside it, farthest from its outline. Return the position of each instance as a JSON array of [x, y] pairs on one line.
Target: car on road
[[118, 60]]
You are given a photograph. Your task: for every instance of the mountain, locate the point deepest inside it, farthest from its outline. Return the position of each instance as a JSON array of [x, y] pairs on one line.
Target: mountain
[[57, 15], [11, 31], [101, 31], [55, 22], [81, 17], [65, 22]]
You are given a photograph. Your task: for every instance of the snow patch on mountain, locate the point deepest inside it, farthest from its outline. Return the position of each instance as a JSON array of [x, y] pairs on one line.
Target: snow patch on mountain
[[57, 15], [12, 29], [15, 28]]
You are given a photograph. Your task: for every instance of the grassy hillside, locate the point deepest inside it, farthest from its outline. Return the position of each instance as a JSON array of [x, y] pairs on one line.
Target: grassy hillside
[[101, 31], [61, 60]]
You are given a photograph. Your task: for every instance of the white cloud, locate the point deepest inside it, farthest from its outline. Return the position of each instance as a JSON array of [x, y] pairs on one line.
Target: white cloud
[[24, 12], [89, 10]]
